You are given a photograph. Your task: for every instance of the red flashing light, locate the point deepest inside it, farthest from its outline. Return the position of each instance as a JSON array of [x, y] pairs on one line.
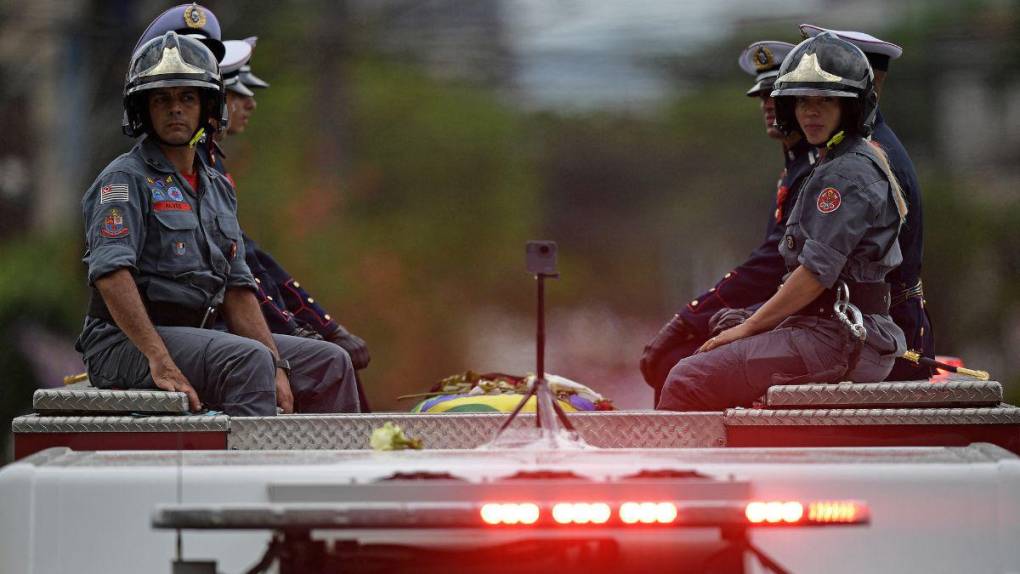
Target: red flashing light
[[509, 513], [758, 512], [581, 512], [648, 512], [817, 512], [792, 512], [774, 512]]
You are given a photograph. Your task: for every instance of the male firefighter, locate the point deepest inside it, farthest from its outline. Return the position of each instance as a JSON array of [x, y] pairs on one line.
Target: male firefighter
[[165, 258], [759, 276], [286, 305]]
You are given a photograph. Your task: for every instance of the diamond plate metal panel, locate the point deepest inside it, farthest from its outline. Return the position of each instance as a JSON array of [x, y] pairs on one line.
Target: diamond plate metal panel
[[862, 417], [906, 393], [81, 398], [44, 424], [469, 430]]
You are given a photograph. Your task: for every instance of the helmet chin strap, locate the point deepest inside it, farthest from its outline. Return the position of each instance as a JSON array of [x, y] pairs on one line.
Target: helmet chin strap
[[835, 139], [199, 136], [196, 138]]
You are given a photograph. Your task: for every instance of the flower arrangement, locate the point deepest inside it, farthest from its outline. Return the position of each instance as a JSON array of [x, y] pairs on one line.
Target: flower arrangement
[[472, 384]]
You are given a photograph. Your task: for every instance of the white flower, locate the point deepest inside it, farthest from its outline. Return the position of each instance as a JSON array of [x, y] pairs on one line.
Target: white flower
[[392, 437], [384, 437]]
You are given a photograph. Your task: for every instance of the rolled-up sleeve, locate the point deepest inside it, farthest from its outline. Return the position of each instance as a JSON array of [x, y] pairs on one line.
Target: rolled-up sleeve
[[834, 223], [114, 224], [240, 274]]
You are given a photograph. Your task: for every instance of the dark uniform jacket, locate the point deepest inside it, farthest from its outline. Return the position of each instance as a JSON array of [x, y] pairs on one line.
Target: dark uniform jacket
[[755, 280], [908, 311], [182, 246], [286, 305]]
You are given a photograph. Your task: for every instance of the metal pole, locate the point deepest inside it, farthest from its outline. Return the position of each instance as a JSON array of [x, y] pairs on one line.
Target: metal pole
[[540, 339], [539, 351]]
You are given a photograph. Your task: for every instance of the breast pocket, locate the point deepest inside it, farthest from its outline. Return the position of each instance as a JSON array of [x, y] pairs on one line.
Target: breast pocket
[[179, 249], [230, 235]]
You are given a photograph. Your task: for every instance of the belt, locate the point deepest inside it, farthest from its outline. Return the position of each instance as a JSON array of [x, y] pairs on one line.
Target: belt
[[870, 298], [160, 313], [915, 292]]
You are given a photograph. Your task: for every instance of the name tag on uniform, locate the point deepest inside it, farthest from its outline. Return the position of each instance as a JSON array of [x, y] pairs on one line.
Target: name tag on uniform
[[171, 206]]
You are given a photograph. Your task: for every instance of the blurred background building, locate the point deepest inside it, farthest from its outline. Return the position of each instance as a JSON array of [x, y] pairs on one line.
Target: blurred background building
[[408, 148]]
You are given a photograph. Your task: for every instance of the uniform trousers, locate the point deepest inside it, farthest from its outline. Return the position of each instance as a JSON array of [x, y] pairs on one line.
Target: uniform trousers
[[801, 350], [235, 374]]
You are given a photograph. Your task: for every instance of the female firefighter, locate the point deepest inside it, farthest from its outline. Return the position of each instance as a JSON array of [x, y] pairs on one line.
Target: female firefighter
[[830, 319]]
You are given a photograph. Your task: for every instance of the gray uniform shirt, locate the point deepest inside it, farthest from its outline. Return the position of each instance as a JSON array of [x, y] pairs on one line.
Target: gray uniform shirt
[[844, 226], [183, 247]]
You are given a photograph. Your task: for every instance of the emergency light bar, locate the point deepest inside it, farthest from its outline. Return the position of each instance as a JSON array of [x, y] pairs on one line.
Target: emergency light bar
[[678, 513], [514, 514]]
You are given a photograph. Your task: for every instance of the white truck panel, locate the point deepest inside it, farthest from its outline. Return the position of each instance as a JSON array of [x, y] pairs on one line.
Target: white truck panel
[[933, 509]]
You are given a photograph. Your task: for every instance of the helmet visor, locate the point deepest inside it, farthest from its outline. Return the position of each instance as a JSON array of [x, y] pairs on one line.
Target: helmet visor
[[824, 66], [172, 60], [833, 92]]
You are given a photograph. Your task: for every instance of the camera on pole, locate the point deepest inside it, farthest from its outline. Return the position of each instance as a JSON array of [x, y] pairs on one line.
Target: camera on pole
[[554, 428]]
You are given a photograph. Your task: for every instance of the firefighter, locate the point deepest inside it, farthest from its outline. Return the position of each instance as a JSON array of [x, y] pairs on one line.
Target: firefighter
[[840, 242], [760, 275], [908, 305], [240, 99], [165, 258], [286, 306]]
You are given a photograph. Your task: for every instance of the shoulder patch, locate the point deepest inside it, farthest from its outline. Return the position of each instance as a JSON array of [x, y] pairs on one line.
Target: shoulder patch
[[829, 200], [113, 193], [113, 225]]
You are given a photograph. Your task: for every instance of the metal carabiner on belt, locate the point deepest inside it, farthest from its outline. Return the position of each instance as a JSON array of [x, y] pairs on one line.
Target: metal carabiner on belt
[[842, 306]]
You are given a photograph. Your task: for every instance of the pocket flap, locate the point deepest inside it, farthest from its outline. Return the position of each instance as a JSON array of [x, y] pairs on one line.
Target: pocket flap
[[178, 220], [229, 226]]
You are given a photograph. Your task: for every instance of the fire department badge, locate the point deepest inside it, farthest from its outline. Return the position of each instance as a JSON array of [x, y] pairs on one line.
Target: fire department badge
[[829, 200], [113, 225], [764, 59], [194, 17]]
